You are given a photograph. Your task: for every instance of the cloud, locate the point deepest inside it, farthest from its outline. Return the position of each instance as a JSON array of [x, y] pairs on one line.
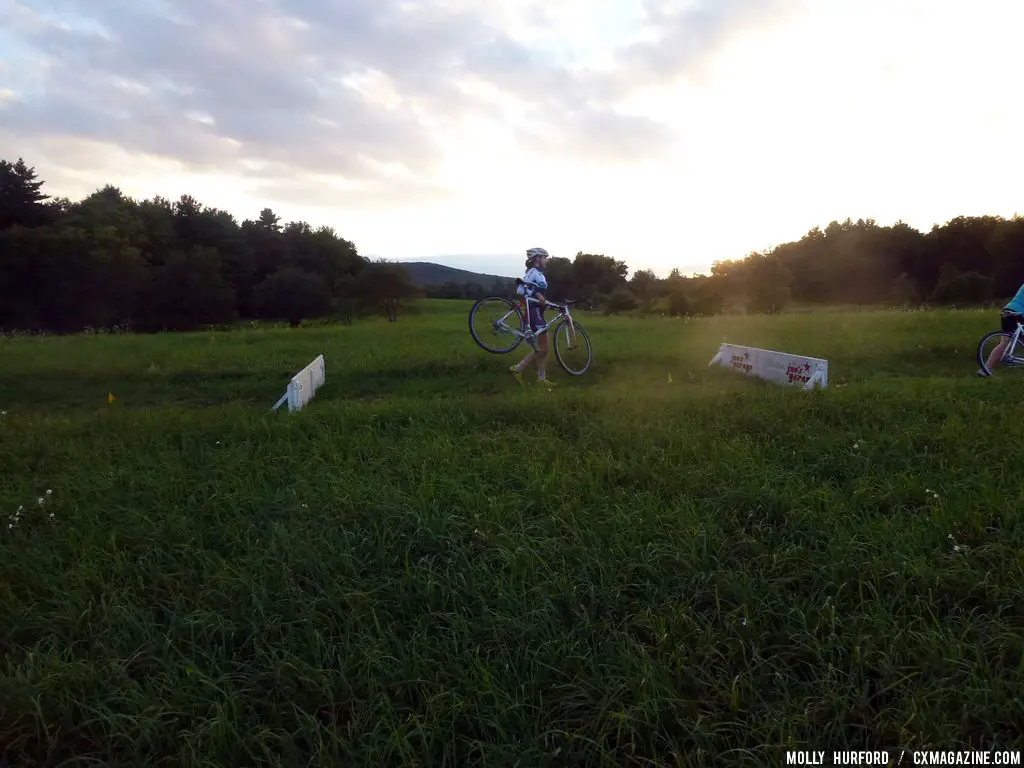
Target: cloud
[[683, 39], [302, 87], [213, 86], [601, 136], [384, 194]]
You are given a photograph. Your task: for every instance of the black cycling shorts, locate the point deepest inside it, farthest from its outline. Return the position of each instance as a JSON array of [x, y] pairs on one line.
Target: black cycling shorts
[[1008, 320]]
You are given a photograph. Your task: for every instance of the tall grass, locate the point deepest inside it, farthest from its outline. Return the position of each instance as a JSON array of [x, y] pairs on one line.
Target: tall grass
[[428, 566]]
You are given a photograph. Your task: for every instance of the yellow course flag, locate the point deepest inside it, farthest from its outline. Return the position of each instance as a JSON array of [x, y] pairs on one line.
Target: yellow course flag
[[110, 397], [670, 378]]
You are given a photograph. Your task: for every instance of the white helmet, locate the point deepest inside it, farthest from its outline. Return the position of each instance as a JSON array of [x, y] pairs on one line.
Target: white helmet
[[536, 253]]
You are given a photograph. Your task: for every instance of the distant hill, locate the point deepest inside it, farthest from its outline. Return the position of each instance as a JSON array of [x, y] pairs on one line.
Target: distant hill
[[427, 274]]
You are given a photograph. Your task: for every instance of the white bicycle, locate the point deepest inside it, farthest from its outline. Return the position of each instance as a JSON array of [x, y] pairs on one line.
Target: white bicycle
[[1012, 340], [498, 325]]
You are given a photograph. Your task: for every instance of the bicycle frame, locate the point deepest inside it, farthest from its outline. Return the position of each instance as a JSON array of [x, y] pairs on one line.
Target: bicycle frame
[[1008, 359], [564, 316]]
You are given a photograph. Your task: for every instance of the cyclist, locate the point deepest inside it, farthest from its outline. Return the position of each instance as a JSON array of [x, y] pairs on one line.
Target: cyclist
[[1012, 314], [536, 285]]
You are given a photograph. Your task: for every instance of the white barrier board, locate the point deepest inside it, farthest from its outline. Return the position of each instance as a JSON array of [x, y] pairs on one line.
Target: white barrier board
[[778, 367], [304, 385]]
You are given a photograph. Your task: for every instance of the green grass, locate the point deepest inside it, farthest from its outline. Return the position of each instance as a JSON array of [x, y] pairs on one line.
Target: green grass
[[430, 567]]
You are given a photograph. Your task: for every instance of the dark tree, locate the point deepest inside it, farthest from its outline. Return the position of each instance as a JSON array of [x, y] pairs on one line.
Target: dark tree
[[293, 295], [21, 201], [386, 286]]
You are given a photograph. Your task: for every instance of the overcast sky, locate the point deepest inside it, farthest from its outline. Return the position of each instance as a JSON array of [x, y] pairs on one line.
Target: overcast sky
[[662, 132]]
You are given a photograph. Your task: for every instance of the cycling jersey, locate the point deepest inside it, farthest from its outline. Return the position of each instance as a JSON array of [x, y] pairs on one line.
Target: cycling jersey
[[1017, 302], [533, 275]]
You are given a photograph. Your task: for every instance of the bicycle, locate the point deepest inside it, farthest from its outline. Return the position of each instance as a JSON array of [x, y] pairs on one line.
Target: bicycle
[[505, 309], [1009, 359]]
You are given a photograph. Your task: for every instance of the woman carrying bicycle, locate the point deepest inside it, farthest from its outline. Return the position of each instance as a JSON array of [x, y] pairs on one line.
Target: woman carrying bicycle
[[533, 286]]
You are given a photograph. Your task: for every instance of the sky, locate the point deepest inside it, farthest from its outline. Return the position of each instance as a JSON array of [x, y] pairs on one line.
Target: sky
[[664, 133]]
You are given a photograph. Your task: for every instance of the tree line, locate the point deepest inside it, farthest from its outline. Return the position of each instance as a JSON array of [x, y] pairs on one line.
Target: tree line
[[967, 261], [110, 261]]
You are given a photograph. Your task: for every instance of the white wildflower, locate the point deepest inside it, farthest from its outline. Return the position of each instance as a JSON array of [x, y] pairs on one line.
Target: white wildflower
[[960, 549]]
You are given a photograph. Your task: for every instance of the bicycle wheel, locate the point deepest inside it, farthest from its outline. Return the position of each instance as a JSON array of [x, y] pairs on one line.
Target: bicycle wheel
[[492, 321], [574, 360], [989, 342]]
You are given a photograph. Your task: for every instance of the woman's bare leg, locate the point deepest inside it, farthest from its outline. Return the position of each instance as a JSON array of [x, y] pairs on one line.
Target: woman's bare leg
[[521, 365], [997, 353], [542, 356]]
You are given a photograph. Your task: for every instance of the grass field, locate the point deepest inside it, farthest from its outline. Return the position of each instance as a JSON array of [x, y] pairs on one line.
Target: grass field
[[430, 567]]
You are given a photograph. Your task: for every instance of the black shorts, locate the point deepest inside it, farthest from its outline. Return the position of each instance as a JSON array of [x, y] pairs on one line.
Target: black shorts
[[537, 316], [1008, 320]]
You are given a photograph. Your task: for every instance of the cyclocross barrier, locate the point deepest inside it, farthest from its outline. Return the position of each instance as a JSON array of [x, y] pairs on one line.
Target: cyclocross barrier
[[303, 385], [779, 367]]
